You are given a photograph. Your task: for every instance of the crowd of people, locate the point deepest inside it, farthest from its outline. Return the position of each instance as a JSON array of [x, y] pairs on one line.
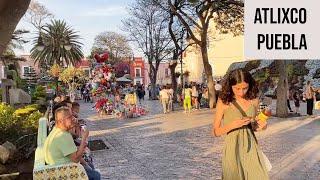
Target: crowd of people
[[234, 117], [310, 95], [192, 96]]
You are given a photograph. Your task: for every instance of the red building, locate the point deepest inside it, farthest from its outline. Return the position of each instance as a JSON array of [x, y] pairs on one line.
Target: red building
[[137, 70], [85, 65]]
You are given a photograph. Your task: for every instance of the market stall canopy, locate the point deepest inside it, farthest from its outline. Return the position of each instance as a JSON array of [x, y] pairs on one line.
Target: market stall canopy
[[123, 79]]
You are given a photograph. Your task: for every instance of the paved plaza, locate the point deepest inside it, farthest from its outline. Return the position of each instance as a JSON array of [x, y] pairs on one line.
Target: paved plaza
[[180, 146]]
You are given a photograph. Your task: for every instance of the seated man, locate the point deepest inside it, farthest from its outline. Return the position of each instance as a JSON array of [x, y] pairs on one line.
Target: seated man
[[59, 146]]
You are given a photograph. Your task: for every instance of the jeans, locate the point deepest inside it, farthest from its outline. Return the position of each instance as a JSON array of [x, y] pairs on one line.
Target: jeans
[[92, 174]]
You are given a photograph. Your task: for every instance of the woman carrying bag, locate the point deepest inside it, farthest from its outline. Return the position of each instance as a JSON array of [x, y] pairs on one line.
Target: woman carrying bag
[[236, 110]]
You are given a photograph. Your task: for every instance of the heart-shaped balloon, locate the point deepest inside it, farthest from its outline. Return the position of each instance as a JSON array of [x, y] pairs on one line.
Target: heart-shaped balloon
[[105, 57], [97, 57]]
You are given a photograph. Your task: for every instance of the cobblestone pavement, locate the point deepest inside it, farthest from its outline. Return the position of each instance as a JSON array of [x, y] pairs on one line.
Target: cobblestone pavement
[[180, 146]]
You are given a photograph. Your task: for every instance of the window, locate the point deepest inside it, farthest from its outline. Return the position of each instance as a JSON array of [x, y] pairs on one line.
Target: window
[[166, 72], [138, 72], [26, 69]]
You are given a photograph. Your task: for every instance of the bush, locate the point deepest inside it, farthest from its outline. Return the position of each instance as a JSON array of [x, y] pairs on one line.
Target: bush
[[16, 123], [25, 111], [8, 123], [30, 124], [39, 93]]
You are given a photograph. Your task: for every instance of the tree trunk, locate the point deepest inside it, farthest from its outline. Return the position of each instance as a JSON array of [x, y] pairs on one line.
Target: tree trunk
[[173, 80], [208, 71], [282, 110], [153, 79], [10, 15]]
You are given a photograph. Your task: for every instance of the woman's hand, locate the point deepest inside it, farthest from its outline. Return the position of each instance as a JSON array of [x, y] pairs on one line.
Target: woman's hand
[[261, 125], [240, 122]]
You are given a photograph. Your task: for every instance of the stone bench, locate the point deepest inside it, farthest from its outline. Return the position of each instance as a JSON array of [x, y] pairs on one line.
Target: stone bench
[[42, 171]]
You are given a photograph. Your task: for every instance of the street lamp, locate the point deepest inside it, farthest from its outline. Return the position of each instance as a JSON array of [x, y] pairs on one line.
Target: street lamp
[[65, 43]]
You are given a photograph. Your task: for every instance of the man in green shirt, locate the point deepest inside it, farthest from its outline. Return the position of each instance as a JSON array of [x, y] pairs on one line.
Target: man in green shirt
[[59, 146]]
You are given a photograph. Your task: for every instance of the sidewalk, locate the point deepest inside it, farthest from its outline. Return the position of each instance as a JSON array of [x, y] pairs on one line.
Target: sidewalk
[[180, 146]]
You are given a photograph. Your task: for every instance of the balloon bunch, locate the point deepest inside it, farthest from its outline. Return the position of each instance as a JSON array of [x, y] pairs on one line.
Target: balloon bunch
[[103, 74], [101, 58]]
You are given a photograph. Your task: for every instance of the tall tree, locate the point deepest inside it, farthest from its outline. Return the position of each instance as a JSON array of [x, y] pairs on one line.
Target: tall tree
[[196, 16], [37, 14], [148, 27], [10, 14], [177, 32], [57, 38], [116, 44]]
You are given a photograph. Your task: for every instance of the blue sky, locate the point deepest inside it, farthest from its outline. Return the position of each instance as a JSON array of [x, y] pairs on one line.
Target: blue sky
[[88, 17]]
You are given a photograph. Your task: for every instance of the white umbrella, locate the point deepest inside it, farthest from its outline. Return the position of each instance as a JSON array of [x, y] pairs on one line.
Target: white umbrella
[[123, 79]]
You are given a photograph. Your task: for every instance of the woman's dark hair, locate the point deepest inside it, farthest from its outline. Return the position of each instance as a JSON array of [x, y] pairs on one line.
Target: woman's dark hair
[[234, 77]]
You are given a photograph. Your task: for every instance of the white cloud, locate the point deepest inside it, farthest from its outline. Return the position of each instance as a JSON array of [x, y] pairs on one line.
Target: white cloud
[[107, 11]]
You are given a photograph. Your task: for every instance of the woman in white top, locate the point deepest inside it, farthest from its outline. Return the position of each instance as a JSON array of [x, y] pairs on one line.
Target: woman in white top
[[195, 95]]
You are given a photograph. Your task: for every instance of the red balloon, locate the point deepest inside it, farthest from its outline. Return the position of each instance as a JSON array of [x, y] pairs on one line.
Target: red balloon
[[103, 82], [97, 57], [105, 56], [101, 58]]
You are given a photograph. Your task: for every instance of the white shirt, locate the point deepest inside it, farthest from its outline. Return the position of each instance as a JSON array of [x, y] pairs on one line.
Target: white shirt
[[164, 94], [170, 92], [195, 91]]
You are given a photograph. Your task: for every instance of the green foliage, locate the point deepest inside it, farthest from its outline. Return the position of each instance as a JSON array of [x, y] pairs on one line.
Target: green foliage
[[16, 123], [39, 93], [56, 36], [8, 123], [22, 84], [261, 76], [317, 74], [25, 111], [290, 70], [31, 122], [252, 65]]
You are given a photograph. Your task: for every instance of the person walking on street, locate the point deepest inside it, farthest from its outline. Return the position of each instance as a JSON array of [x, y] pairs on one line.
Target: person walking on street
[[296, 100], [288, 100], [164, 99], [236, 108], [195, 94], [170, 92], [310, 96], [187, 98], [140, 93]]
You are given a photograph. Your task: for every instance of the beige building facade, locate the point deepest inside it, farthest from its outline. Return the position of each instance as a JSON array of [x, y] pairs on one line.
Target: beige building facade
[[223, 50]]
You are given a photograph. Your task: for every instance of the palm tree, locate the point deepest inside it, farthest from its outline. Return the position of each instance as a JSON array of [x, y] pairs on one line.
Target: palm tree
[[57, 43]]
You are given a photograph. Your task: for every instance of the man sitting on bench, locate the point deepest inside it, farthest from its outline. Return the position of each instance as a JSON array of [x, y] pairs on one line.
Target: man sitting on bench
[[59, 146]]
